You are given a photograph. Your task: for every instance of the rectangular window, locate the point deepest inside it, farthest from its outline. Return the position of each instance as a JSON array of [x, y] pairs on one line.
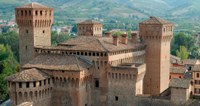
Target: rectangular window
[[27, 85], [20, 85], [97, 83], [195, 81], [34, 84], [116, 98], [197, 75], [195, 90], [48, 81], [40, 83]]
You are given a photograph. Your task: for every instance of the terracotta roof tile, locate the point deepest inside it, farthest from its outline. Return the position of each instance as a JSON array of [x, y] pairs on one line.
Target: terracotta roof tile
[[156, 20], [180, 83], [175, 57], [58, 62], [178, 70], [196, 68], [92, 43], [28, 76], [190, 62], [33, 5], [89, 22]]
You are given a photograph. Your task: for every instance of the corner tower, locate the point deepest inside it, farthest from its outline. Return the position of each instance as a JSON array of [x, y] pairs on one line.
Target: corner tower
[[157, 34], [89, 28], [34, 21]]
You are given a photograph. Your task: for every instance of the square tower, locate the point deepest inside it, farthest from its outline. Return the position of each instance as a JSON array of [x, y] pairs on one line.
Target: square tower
[[34, 21], [90, 28], [157, 34]]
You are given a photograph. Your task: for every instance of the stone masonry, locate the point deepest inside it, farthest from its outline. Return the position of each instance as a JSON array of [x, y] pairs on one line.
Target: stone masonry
[[90, 69]]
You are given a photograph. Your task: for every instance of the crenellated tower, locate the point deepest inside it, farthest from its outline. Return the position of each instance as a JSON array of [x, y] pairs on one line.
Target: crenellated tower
[[157, 33], [89, 28], [34, 21]]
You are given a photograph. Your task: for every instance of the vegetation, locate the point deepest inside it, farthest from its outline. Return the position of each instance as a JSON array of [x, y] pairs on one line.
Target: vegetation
[[58, 38], [188, 41], [116, 14], [8, 66], [11, 39], [182, 53], [9, 54], [117, 33]]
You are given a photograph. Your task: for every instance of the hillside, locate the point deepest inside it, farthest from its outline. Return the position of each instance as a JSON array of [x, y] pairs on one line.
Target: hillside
[[119, 8], [174, 10]]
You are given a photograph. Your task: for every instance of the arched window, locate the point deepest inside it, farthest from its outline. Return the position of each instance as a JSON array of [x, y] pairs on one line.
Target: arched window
[[21, 12], [41, 12], [36, 94], [25, 13], [36, 12], [164, 29], [197, 75], [26, 95], [29, 12], [20, 95], [39, 94], [31, 95]]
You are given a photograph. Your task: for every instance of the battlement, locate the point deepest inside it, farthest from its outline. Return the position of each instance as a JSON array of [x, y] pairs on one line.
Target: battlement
[[34, 15]]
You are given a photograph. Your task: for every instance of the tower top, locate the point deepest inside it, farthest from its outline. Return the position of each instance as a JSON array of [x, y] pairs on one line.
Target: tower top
[[156, 21], [33, 5], [89, 22]]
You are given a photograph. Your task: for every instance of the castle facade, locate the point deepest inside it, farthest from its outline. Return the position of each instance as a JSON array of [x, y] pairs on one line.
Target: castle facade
[[91, 69]]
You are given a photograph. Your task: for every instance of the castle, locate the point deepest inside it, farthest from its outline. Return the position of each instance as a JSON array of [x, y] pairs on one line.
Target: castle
[[91, 69]]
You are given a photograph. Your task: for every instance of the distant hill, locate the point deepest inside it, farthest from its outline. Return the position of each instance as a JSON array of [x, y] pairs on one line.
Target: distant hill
[[174, 10], [120, 8]]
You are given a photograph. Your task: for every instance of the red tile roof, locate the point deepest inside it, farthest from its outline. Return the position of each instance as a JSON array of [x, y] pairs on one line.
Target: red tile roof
[[156, 20], [101, 44], [28, 76], [33, 5], [58, 62]]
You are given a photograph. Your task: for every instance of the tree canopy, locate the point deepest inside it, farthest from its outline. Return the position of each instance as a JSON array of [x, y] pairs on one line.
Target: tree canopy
[[182, 53], [11, 39], [188, 41], [8, 67]]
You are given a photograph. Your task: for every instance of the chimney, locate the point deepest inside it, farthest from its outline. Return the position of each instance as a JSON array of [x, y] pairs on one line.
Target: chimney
[[108, 34], [133, 36], [124, 38], [115, 40]]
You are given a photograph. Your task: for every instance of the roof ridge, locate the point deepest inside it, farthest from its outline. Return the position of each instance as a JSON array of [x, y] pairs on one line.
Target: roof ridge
[[33, 5], [102, 44], [156, 20], [77, 63]]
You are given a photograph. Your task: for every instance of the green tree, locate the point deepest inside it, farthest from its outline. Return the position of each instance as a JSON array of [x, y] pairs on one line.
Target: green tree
[[8, 67], [186, 40], [63, 37], [54, 37], [11, 38], [117, 33], [182, 53]]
